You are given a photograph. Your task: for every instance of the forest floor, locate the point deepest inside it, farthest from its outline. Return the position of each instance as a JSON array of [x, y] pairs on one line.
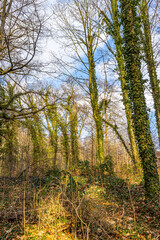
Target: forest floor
[[81, 204]]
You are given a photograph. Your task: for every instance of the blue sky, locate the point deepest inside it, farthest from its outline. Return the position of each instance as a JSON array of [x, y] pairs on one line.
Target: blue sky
[[57, 46]]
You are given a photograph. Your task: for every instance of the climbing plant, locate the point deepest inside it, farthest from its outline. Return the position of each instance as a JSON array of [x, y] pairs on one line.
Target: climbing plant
[[131, 50]]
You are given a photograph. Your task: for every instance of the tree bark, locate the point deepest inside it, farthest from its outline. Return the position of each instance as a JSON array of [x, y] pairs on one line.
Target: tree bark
[[115, 32], [94, 103], [131, 32], [149, 57]]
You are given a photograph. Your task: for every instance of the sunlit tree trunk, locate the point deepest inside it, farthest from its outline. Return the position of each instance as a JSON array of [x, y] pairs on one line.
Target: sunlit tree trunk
[[92, 147], [131, 32], [149, 57], [85, 38], [115, 32], [106, 135], [94, 102]]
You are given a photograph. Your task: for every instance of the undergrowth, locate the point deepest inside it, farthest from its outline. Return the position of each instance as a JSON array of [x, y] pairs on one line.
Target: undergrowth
[[84, 203]]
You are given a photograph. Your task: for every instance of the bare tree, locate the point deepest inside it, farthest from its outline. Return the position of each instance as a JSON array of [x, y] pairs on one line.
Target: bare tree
[[80, 26], [20, 28]]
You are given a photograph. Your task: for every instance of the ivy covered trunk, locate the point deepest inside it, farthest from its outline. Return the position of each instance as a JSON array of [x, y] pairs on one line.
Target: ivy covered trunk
[[50, 116], [73, 131], [99, 141], [131, 32], [94, 103], [10, 149], [37, 135], [149, 58], [36, 129], [122, 74], [65, 143], [65, 139]]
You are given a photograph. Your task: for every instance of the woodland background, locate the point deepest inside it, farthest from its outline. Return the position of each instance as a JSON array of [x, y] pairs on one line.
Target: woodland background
[[79, 119]]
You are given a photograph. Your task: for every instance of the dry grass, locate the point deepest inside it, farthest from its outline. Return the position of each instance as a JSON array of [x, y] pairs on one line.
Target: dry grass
[[76, 208]]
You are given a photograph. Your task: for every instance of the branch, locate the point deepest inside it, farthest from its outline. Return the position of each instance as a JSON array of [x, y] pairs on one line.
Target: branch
[[114, 127]]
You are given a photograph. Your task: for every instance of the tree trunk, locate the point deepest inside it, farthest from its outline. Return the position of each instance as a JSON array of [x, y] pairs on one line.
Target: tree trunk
[[73, 130], [94, 103], [148, 49], [122, 75], [131, 30], [65, 141]]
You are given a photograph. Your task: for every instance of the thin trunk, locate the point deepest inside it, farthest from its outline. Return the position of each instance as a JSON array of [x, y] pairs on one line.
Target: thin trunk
[[73, 130], [53, 116], [92, 148], [66, 147], [65, 141], [55, 137], [106, 135], [105, 109]]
